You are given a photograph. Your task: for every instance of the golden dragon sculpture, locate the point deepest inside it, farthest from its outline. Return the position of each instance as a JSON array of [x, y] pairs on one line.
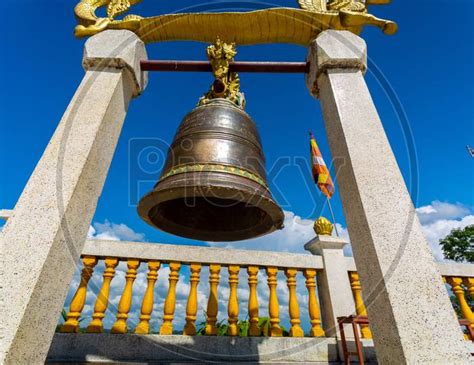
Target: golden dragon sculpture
[[272, 25]]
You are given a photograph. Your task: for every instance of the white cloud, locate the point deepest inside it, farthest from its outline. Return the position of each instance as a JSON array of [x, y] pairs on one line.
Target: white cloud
[[439, 229], [438, 210], [437, 219], [296, 232], [291, 238], [114, 232]]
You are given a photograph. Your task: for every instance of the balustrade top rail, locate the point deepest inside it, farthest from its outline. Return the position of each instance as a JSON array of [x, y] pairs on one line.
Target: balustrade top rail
[[451, 269], [446, 269], [203, 255]]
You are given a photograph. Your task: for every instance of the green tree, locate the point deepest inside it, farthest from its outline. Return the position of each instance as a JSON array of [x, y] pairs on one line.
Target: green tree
[[459, 244], [243, 325]]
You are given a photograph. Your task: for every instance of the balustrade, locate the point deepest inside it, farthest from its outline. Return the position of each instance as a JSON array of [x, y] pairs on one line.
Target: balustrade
[[254, 329], [235, 262], [469, 283], [293, 308], [102, 301], [313, 308], [460, 286], [213, 304], [359, 303], [154, 264], [147, 303], [233, 307], [79, 299], [457, 284], [191, 308], [170, 302], [120, 325]]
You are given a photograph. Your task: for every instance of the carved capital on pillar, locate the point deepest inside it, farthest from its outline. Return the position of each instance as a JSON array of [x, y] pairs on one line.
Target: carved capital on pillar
[[322, 242], [117, 49], [334, 49]]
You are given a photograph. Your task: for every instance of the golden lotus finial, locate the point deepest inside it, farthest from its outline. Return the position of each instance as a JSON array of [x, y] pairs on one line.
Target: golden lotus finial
[[323, 226]]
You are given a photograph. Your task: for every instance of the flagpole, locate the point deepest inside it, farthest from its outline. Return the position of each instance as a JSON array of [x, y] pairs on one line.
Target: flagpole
[[328, 176], [332, 215]]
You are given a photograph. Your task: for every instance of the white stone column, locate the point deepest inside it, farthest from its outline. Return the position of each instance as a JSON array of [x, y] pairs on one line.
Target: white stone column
[[42, 241], [334, 288], [410, 314]]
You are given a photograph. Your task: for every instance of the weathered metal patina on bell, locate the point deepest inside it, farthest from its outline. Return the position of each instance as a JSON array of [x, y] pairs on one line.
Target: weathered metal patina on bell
[[213, 186]]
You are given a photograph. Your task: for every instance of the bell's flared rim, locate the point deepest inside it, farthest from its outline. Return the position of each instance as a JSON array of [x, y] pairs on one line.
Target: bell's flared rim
[[260, 198]]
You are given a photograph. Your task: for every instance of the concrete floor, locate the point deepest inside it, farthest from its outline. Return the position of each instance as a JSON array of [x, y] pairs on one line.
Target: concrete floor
[[153, 349]]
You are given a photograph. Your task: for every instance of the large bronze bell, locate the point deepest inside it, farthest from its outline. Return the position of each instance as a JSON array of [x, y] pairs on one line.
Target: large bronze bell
[[213, 186]]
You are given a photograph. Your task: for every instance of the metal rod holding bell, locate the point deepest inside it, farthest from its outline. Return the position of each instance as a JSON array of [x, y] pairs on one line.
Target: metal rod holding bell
[[205, 66]]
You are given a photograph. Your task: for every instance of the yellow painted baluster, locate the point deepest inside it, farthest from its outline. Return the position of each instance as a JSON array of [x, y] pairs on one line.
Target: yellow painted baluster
[[102, 301], [77, 303], [469, 282], [273, 308], [252, 272], [233, 307], [170, 302], [148, 299], [212, 304], [191, 307], [359, 303], [313, 306], [296, 330], [120, 325], [458, 291]]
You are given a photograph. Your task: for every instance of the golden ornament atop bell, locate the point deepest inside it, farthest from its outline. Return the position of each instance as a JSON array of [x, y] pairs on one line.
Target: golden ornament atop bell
[[323, 226], [213, 186]]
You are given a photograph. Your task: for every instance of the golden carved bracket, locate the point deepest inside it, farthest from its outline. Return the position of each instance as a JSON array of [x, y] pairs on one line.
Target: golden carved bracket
[[273, 25], [226, 84]]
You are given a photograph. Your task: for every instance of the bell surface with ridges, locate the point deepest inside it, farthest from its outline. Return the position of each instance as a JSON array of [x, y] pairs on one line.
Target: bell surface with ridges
[[213, 186]]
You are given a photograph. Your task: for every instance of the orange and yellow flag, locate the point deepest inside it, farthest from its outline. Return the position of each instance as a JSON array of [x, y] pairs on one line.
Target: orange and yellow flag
[[321, 175]]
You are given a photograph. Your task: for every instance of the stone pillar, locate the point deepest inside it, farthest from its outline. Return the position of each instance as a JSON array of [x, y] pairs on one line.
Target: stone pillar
[[410, 314], [334, 288], [42, 241]]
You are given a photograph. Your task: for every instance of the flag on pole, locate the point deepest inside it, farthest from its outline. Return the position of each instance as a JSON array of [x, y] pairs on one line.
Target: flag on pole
[[321, 175]]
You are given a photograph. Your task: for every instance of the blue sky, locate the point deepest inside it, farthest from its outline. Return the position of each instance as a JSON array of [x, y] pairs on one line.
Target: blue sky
[[428, 65]]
